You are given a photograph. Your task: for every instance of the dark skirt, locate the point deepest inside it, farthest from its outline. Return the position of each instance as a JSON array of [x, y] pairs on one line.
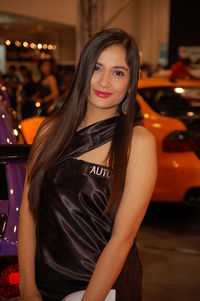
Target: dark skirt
[[129, 283]]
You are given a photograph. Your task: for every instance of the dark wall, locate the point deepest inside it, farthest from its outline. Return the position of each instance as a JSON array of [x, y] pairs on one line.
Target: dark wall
[[184, 26]]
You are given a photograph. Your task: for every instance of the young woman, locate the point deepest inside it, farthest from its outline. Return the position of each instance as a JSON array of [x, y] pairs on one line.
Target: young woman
[[90, 177], [47, 90]]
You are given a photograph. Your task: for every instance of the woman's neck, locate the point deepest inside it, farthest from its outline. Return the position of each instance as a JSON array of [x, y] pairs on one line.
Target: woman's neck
[[95, 114]]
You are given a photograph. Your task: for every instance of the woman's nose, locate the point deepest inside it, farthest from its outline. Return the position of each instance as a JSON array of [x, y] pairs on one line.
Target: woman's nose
[[105, 80]]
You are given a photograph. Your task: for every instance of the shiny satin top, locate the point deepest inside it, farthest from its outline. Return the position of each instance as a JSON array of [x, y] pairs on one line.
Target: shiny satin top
[[72, 228]]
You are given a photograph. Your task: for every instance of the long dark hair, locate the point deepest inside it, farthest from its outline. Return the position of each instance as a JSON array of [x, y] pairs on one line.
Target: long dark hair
[[56, 132]]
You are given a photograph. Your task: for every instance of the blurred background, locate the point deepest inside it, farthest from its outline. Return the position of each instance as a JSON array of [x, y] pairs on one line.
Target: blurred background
[[34, 30], [42, 40]]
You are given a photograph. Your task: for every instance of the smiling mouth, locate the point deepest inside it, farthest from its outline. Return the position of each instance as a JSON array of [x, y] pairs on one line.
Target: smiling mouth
[[102, 94]]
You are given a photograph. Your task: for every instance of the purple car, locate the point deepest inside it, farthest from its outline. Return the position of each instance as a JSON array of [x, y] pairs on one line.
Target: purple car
[[12, 174]]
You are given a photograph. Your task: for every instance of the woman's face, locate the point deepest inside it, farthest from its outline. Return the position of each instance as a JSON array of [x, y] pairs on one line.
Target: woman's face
[[109, 82], [45, 67]]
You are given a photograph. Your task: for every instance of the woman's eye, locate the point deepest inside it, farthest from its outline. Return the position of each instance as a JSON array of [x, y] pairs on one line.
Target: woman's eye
[[96, 68], [119, 73]]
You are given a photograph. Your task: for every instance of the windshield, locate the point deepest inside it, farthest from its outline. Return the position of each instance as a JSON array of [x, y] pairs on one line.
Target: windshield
[[173, 101]]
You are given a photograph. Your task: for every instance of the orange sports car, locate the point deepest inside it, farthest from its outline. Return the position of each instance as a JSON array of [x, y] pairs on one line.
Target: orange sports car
[[171, 111]]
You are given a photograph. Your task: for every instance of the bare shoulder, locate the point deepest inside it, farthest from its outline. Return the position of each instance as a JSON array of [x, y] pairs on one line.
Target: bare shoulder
[[142, 165], [51, 78], [142, 136], [143, 150]]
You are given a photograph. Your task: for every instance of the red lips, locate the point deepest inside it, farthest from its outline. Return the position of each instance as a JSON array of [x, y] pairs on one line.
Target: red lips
[[102, 94]]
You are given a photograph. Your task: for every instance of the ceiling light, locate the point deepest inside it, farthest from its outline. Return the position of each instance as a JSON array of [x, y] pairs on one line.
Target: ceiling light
[[39, 46], [33, 46], [18, 43], [44, 46], [8, 42], [25, 44]]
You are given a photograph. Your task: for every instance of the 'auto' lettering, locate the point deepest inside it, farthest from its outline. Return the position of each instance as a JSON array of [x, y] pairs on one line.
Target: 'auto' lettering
[[100, 171]]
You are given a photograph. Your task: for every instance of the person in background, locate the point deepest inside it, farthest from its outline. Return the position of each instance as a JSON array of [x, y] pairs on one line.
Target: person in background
[[28, 91], [90, 177], [47, 90], [180, 70], [67, 79], [22, 72], [146, 70]]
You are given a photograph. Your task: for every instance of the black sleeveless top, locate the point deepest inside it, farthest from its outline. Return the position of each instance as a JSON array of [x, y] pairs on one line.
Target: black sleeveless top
[[43, 90], [72, 228]]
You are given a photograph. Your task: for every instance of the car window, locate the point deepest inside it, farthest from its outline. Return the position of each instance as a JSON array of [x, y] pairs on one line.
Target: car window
[[173, 101], [3, 183]]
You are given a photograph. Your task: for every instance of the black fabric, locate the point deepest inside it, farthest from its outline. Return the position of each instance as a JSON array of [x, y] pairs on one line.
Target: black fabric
[[43, 90], [72, 228]]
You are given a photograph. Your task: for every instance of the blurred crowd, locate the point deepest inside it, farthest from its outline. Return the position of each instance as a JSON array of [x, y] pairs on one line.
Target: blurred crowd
[[184, 68], [43, 90], [37, 92]]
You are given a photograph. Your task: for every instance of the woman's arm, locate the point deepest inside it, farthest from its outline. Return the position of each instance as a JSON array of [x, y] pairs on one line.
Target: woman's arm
[[26, 251], [140, 181]]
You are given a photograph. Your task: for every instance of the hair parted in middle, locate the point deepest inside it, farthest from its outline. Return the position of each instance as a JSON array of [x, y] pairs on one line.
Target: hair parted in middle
[[56, 132]]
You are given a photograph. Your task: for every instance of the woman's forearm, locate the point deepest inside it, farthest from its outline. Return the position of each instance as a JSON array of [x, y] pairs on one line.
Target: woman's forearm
[[26, 250], [50, 97], [107, 269]]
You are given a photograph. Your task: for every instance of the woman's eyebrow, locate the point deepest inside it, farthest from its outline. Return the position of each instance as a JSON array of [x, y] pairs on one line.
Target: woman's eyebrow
[[117, 67], [121, 67]]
